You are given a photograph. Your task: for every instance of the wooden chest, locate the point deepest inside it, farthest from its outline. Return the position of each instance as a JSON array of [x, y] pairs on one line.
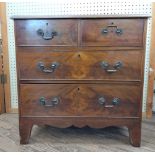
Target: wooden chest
[[81, 71]]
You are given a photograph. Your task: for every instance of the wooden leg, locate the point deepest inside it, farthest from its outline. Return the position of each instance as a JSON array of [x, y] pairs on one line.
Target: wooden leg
[[25, 128], [135, 135]]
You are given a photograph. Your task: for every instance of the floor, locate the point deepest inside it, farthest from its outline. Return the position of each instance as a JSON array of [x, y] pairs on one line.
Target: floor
[[73, 139]]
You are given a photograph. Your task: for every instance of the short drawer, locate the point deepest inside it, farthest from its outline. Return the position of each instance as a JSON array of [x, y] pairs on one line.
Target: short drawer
[[112, 32], [46, 32], [107, 100], [43, 64], [48, 100]]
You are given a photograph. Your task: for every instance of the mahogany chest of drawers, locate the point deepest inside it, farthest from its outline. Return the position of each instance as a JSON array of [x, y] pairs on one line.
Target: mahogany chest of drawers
[[81, 71]]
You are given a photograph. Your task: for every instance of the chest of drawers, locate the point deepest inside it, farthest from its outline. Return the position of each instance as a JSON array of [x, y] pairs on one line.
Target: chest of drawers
[[81, 71]]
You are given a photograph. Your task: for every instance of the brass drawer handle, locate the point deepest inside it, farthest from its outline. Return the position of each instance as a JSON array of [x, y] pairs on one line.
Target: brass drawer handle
[[119, 31], [106, 30], [101, 100], [54, 101], [50, 69], [115, 101], [113, 69], [47, 34]]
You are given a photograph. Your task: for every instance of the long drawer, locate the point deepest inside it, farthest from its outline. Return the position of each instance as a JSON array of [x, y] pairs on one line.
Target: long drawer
[[44, 64], [112, 32], [107, 100]]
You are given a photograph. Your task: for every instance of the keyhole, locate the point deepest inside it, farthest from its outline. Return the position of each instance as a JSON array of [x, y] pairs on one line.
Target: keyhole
[[47, 24], [112, 24], [79, 55], [78, 89]]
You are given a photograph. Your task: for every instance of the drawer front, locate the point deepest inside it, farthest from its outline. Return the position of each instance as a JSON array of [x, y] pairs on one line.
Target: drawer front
[[48, 100], [112, 32], [109, 100], [43, 64], [46, 32]]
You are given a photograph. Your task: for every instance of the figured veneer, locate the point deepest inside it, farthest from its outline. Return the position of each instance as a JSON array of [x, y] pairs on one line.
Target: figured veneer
[[80, 100], [78, 65], [54, 32], [112, 32], [81, 72]]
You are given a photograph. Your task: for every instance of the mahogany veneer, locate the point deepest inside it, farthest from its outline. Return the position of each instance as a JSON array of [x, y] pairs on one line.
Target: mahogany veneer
[[80, 71]]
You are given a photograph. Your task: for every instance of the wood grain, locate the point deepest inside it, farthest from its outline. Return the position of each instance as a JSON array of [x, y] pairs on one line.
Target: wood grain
[[85, 90], [128, 106], [80, 100], [1, 89], [135, 134], [73, 139], [92, 32], [152, 68], [30, 100], [81, 16], [79, 65], [5, 56], [66, 32], [131, 124]]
